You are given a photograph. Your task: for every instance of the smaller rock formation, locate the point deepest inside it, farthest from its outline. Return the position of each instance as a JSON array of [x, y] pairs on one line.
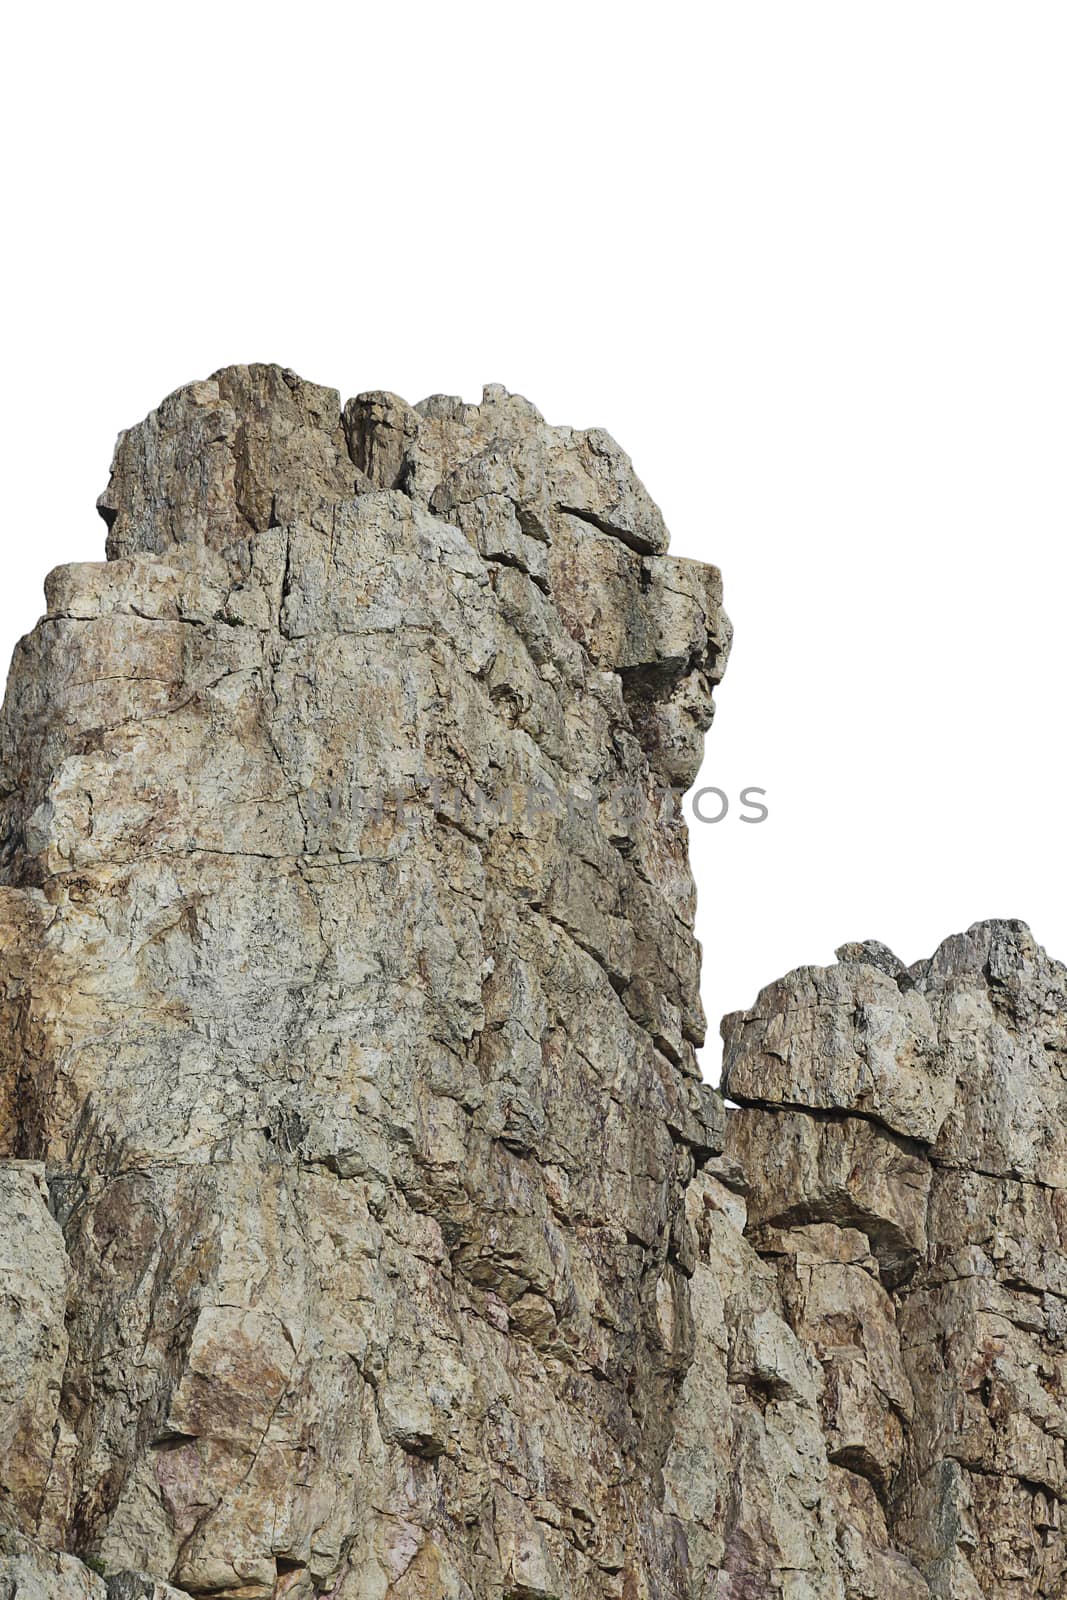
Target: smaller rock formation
[[903, 1141]]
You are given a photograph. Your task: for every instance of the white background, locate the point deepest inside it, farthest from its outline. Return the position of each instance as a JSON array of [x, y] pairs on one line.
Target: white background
[[806, 261]]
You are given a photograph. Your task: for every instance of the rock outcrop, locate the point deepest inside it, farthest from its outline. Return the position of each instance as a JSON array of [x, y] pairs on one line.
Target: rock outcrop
[[367, 1228], [903, 1137]]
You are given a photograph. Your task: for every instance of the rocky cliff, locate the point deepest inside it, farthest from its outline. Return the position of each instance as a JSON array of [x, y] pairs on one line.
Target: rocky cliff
[[367, 1229]]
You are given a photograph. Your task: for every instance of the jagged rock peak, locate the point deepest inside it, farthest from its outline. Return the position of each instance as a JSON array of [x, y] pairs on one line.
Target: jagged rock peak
[[256, 446]]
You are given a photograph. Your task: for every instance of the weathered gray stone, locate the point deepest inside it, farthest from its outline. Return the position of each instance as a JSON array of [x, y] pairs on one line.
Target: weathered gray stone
[[33, 1351], [326, 818], [28, 1571], [944, 1352]]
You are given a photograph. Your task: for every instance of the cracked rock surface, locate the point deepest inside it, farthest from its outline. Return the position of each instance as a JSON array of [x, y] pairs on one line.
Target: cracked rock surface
[[366, 1227], [902, 1137]]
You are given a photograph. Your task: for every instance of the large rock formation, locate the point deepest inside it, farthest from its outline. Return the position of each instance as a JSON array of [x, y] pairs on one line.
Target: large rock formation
[[367, 1228]]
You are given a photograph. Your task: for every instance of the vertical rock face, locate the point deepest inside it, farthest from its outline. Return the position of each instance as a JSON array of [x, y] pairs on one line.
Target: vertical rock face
[[367, 1228], [352, 1002]]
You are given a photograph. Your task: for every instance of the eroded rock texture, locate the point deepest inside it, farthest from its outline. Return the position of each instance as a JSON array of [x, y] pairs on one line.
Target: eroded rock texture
[[903, 1141], [367, 1229], [350, 1006]]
